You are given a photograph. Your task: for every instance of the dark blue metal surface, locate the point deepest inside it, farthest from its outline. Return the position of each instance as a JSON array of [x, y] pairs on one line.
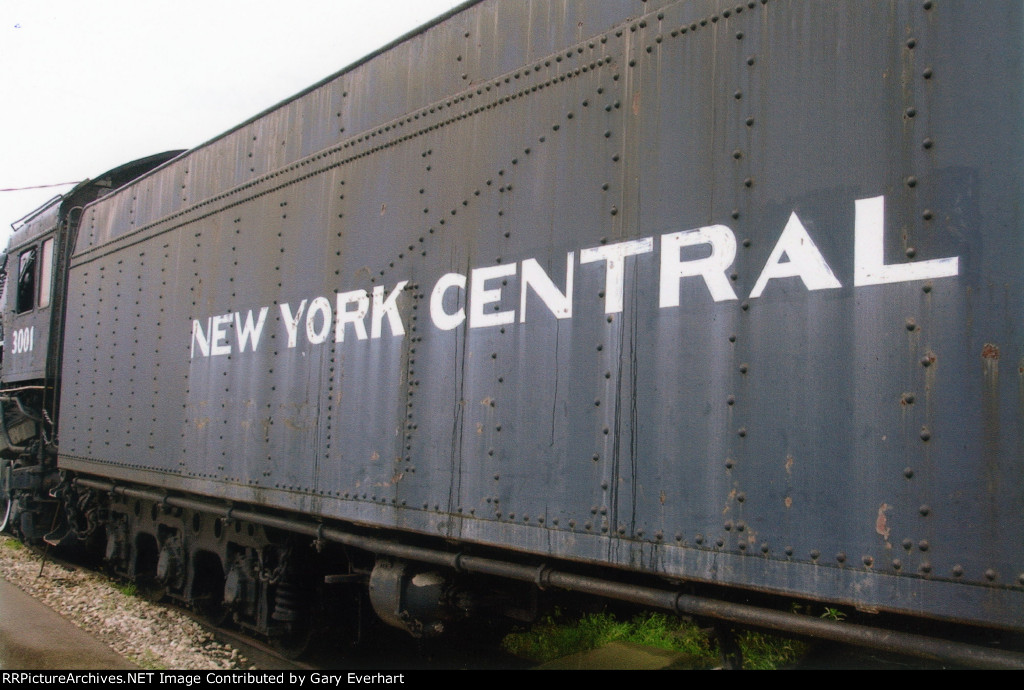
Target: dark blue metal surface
[[741, 287]]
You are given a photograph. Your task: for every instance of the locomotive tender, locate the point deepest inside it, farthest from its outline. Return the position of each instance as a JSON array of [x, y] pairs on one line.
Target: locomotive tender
[[632, 297]]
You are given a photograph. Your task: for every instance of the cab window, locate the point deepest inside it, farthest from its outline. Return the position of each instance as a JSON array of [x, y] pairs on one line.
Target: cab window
[[26, 280], [35, 277], [46, 273]]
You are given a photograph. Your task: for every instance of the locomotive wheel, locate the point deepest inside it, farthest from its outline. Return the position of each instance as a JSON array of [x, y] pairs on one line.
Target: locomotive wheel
[[213, 612], [217, 616], [6, 498], [150, 590], [296, 641], [6, 509]]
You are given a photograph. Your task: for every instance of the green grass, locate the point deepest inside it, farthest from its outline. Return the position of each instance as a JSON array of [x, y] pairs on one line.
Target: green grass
[[11, 543], [559, 635], [127, 588], [833, 614], [762, 652]]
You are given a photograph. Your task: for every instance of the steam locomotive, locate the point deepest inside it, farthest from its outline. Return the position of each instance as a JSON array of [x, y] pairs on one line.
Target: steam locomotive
[[709, 306]]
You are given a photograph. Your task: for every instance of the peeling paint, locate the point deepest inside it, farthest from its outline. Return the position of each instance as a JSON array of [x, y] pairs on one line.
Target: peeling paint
[[882, 522]]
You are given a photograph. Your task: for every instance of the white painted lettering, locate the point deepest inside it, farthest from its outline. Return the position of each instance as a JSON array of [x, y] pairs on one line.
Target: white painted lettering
[[559, 303], [711, 268], [199, 338], [356, 317], [438, 315], [706, 253], [479, 297], [804, 261], [869, 267], [23, 340], [321, 308], [292, 322], [217, 334], [386, 307], [247, 332], [614, 256]]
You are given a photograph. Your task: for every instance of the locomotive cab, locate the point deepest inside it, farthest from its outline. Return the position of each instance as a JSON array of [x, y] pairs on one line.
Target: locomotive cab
[[28, 295], [25, 429], [33, 277]]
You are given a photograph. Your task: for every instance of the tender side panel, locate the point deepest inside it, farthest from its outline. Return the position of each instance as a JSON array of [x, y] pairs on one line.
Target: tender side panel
[[718, 291]]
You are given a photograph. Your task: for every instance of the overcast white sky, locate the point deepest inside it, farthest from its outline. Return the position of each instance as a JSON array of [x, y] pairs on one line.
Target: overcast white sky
[[86, 85]]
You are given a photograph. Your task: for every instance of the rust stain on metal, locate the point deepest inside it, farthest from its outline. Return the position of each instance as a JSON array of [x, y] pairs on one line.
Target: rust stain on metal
[[882, 522], [636, 103], [661, 498], [729, 500], [295, 425], [375, 456], [789, 501], [990, 351], [789, 464]]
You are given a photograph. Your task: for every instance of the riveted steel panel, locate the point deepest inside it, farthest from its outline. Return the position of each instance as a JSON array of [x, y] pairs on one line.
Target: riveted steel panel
[[719, 291]]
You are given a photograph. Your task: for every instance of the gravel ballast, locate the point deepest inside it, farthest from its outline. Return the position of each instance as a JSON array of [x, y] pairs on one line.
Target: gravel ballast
[[150, 635]]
